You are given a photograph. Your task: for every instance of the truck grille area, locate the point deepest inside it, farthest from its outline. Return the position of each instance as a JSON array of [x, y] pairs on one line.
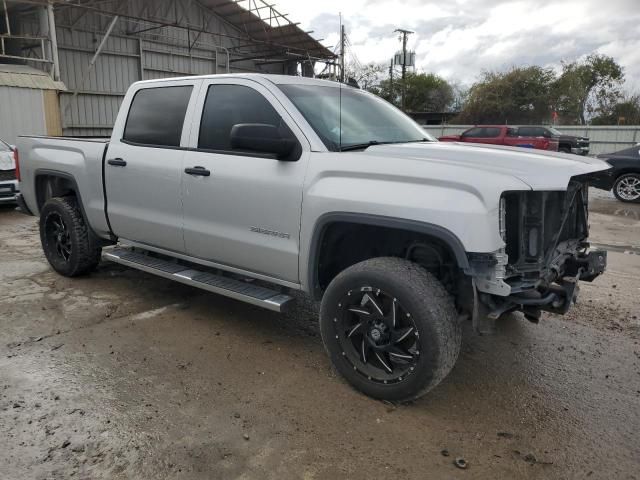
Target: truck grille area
[[6, 175], [542, 226]]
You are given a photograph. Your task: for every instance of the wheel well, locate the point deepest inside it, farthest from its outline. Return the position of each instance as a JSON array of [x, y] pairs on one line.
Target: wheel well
[[626, 171], [49, 186], [564, 145], [343, 244]]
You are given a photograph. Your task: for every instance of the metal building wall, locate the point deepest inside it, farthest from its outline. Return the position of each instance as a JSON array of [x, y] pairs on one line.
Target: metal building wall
[[134, 51], [603, 139], [30, 121]]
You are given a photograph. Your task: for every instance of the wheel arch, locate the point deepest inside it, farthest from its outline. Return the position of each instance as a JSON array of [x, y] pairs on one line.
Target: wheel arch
[[625, 171], [54, 183], [325, 221]]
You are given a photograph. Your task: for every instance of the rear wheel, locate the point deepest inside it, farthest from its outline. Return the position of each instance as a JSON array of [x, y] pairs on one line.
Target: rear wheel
[[66, 240], [390, 328], [627, 188]]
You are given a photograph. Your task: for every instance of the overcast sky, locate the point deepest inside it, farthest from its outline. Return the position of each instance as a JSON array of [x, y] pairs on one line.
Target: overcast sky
[[459, 38]]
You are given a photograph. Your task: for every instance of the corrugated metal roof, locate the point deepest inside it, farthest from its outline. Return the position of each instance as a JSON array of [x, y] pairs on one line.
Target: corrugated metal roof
[[24, 76], [279, 37]]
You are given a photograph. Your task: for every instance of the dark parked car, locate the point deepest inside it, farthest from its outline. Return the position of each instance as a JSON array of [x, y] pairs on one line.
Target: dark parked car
[[566, 143], [624, 177]]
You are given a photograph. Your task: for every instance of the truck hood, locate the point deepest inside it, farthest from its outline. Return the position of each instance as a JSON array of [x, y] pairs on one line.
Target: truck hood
[[540, 169]]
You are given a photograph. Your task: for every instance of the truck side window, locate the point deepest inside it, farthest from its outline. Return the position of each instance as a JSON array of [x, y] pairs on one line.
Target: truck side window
[[474, 132], [491, 132], [156, 116], [228, 105]]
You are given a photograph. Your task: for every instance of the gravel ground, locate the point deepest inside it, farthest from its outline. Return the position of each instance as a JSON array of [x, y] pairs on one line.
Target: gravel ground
[[124, 375]]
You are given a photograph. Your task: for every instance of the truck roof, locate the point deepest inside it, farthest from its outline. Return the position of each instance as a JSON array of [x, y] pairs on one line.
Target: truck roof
[[273, 78]]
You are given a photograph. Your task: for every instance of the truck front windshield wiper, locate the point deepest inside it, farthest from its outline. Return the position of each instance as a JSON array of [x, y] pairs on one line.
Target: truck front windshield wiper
[[362, 146]]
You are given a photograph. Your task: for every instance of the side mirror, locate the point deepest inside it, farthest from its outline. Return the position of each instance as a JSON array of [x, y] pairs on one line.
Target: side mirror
[[262, 138]]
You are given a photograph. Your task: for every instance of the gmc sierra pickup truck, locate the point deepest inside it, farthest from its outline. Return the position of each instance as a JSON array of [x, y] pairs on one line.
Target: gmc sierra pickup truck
[[254, 186], [506, 135]]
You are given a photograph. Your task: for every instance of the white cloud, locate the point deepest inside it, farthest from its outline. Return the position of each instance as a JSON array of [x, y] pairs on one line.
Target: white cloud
[[460, 38]]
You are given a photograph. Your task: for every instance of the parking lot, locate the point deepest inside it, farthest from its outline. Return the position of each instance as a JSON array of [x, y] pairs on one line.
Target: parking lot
[[123, 375]]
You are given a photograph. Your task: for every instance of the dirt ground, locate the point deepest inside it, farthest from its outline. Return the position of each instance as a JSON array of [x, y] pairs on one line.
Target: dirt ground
[[124, 375]]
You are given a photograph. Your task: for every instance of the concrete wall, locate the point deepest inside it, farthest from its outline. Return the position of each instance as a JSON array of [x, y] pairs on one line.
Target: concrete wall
[[603, 139], [21, 113]]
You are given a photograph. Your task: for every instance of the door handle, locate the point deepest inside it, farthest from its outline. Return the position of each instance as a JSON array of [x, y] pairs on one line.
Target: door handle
[[117, 162], [201, 171]]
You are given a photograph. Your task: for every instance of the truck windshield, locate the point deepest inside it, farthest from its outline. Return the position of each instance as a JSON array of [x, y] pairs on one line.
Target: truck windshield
[[352, 118]]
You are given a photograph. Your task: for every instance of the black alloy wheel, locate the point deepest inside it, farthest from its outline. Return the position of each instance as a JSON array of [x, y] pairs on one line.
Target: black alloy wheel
[[390, 328], [58, 236], [70, 246], [377, 334]]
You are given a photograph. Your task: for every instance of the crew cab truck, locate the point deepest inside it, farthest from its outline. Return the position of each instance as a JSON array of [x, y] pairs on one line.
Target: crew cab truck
[[254, 186], [506, 135], [566, 143]]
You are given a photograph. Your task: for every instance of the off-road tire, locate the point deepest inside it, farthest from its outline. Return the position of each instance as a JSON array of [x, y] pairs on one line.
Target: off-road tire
[[616, 186], [84, 250], [564, 150], [423, 298]]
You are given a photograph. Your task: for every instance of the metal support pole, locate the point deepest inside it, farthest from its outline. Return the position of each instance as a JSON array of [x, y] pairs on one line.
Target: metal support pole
[[102, 43], [342, 45], [141, 54], [92, 62], [6, 16], [54, 42]]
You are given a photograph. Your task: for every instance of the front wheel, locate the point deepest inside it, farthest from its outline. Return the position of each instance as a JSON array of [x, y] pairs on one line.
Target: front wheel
[[390, 328], [627, 188], [66, 240]]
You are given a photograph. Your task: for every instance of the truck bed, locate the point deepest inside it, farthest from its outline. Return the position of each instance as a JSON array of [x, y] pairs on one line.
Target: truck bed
[[78, 159]]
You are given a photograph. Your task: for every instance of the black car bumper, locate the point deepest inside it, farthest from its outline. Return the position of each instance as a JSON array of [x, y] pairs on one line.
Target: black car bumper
[[603, 180]]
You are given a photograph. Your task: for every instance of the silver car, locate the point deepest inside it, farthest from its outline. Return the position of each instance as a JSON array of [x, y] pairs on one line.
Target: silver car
[[8, 182]]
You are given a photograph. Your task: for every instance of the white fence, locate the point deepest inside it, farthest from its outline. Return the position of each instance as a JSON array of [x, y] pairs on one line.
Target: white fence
[[603, 139]]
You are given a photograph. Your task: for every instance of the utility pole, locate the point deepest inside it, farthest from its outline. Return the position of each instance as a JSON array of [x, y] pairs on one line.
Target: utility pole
[[404, 34], [391, 78], [342, 45]]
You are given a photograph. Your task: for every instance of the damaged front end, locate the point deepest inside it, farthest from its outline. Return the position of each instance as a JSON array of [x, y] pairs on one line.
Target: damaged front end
[[546, 253]]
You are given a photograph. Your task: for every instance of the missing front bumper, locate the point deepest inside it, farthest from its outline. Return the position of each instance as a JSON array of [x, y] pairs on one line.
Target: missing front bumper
[[557, 297]]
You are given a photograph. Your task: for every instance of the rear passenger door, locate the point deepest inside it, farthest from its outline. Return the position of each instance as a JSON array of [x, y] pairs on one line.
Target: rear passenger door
[[245, 214], [143, 168]]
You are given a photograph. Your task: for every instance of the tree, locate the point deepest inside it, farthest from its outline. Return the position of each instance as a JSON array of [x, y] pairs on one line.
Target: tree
[[586, 86], [368, 76], [626, 111], [425, 92], [520, 95]]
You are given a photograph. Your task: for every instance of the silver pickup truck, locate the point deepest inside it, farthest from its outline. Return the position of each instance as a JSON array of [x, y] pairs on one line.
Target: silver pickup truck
[[253, 186]]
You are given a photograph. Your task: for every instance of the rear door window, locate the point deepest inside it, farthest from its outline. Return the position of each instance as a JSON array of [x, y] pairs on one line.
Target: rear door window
[[482, 132], [491, 132], [474, 133], [156, 116]]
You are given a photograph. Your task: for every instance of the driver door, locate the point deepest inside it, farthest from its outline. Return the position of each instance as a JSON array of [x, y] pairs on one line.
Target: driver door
[[245, 213]]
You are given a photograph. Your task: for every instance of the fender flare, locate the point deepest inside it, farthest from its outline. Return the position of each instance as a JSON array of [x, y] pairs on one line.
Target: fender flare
[[441, 233], [46, 172]]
